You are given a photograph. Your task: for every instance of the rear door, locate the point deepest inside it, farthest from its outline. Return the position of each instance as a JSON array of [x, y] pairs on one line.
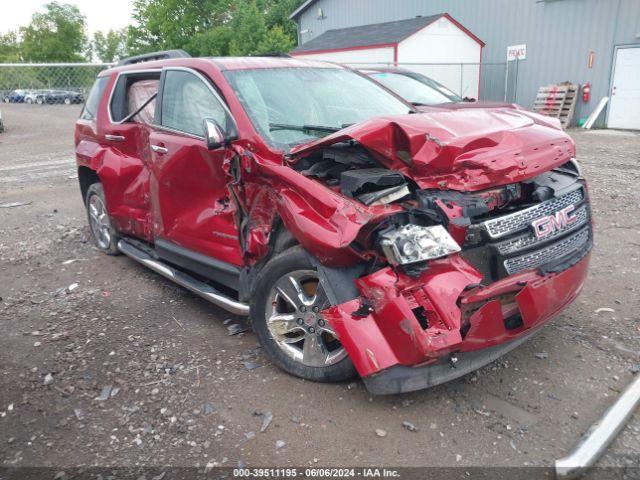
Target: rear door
[[193, 211], [125, 168]]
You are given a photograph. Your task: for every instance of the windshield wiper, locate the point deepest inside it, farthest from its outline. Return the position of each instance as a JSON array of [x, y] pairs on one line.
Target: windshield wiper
[[303, 128]]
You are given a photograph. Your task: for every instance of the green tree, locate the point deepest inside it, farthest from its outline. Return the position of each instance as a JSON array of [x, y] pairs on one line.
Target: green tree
[[278, 12], [57, 35], [167, 24], [275, 41], [248, 28], [211, 43], [213, 27], [9, 48], [110, 46]]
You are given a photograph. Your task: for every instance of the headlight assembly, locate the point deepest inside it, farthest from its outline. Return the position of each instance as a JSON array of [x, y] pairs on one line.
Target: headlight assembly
[[413, 243]]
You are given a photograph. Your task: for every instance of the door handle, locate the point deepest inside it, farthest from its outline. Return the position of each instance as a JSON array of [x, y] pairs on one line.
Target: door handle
[[159, 149], [114, 138]]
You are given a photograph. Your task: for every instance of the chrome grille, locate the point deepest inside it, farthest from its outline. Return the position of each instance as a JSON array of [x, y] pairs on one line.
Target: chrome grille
[[514, 222], [557, 250], [524, 241]]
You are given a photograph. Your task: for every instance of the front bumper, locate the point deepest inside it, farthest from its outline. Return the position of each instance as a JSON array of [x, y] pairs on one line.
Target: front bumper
[[403, 337]]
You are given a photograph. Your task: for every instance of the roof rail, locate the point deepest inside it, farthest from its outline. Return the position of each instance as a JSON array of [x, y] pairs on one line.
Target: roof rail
[[147, 57]]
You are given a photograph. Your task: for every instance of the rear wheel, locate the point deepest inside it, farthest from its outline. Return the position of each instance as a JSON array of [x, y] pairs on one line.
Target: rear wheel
[[286, 316], [103, 234]]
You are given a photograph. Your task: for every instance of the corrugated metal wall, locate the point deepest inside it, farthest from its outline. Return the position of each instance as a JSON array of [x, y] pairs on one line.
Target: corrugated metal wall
[[559, 34]]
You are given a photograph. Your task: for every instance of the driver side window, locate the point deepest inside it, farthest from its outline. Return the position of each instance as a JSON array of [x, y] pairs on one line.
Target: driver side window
[[187, 101]]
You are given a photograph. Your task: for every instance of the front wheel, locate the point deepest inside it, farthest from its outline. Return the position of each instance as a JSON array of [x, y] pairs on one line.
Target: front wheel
[[103, 234], [286, 316]]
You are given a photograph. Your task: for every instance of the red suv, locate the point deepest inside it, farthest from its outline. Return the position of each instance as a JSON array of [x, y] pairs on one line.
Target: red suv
[[358, 234]]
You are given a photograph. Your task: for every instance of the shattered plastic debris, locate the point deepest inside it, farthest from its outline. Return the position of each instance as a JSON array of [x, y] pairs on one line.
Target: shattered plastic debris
[[104, 394], [14, 204], [72, 287], [409, 426], [235, 329], [381, 433], [604, 309], [267, 418], [48, 379], [541, 355], [208, 409], [280, 444]]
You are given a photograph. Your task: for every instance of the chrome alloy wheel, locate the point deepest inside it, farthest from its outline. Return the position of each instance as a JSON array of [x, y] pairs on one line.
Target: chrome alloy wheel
[[296, 324], [99, 222]]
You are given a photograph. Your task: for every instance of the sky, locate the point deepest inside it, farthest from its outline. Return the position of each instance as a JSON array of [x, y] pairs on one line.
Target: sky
[[101, 14]]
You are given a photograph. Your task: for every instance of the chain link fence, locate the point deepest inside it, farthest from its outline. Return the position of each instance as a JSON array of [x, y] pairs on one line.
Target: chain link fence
[[47, 83], [69, 82]]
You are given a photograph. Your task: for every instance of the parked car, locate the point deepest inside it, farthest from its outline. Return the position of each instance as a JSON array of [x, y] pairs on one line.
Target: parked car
[[358, 235], [31, 96], [59, 97], [414, 87], [15, 96]]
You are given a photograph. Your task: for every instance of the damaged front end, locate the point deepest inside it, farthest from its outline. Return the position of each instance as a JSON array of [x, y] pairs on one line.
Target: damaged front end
[[467, 239]]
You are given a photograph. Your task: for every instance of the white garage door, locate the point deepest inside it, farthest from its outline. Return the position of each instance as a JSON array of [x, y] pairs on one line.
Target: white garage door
[[624, 111]]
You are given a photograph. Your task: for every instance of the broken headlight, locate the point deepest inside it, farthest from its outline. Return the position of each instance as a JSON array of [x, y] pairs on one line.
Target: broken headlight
[[413, 243]]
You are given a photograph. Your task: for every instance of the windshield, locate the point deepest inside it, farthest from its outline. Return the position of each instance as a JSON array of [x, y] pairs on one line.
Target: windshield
[[419, 92], [288, 106]]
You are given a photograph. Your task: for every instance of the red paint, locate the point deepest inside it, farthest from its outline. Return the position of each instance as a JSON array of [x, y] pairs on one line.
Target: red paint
[[470, 148], [395, 337], [186, 196]]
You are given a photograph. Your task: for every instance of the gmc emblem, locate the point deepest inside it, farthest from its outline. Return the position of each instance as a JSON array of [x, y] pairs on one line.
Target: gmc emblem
[[545, 226]]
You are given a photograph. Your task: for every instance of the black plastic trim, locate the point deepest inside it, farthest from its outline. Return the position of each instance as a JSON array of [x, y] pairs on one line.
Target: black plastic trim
[[209, 267], [401, 379]]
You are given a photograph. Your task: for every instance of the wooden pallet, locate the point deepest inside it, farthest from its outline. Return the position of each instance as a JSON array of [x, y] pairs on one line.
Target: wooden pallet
[[558, 101]]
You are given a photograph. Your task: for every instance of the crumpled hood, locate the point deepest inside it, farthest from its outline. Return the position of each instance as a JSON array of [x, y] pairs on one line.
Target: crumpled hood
[[464, 148]]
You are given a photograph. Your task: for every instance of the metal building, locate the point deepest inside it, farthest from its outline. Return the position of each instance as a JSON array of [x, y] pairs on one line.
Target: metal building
[[594, 41]]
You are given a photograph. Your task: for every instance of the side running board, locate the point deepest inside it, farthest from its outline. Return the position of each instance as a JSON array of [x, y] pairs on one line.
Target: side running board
[[184, 280]]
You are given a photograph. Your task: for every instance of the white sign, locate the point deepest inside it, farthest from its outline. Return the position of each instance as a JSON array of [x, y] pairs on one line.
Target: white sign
[[517, 52]]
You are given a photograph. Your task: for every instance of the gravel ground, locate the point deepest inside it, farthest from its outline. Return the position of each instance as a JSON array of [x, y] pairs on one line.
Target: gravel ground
[[103, 363]]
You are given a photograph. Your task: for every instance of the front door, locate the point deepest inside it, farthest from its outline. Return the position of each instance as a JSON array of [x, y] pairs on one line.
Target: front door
[[190, 198], [624, 111]]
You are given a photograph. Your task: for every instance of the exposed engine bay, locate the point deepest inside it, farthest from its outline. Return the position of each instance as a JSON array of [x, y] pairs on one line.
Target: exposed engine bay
[[490, 227]]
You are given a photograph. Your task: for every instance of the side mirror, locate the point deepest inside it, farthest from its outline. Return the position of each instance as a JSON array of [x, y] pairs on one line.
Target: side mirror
[[213, 134]]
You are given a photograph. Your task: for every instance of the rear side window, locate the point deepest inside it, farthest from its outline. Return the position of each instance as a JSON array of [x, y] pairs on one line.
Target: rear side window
[[135, 92], [91, 105], [187, 101]]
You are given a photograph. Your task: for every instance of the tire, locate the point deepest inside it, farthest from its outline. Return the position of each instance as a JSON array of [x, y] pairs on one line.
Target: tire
[[29, 101], [103, 235], [283, 330], [40, 101], [67, 101]]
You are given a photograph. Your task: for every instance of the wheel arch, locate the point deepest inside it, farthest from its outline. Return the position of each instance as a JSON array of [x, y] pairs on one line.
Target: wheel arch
[[86, 178]]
